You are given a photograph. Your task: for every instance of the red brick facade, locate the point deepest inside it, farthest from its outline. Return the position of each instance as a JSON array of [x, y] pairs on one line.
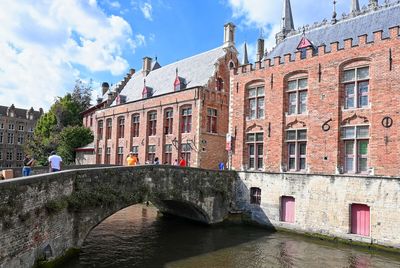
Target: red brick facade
[[191, 139], [333, 101]]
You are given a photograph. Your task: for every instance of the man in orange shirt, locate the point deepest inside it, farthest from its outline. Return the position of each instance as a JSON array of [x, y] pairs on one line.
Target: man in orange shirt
[[131, 159]]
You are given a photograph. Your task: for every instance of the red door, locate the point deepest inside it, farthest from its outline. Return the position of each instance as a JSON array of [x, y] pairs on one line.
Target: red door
[[360, 219], [287, 208]]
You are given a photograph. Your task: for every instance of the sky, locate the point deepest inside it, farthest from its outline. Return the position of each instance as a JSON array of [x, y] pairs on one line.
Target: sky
[[46, 45]]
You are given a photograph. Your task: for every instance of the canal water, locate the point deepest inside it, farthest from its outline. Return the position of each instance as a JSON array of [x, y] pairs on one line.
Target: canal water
[[136, 237]]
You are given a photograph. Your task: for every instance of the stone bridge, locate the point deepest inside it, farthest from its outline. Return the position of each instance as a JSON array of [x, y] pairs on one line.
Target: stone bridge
[[45, 215]]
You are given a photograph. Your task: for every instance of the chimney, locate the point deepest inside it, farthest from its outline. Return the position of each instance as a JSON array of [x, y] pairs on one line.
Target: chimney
[[229, 35], [146, 65], [99, 100], [260, 49], [132, 71], [105, 87]]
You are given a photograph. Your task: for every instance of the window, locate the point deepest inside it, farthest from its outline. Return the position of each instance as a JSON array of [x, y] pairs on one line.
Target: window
[[355, 141], [255, 195], [20, 127], [297, 96], [109, 129], [120, 156], [99, 155], [121, 127], [168, 154], [255, 148], [9, 156], [256, 102], [360, 219], [91, 120], [220, 84], [152, 123], [287, 209], [135, 151], [11, 126], [211, 120], [186, 120], [185, 152], [19, 156], [151, 153], [1, 156], [1, 125], [107, 160], [296, 141], [10, 138], [356, 87], [20, 138], [168, 124], [100, 130], [1, 137], [135, 125]]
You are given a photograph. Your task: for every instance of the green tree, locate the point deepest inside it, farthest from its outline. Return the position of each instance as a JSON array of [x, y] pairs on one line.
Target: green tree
[[70, 138], [62, 122]]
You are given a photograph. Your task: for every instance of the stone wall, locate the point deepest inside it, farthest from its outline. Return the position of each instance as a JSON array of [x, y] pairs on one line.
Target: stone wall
[[56, 211], [323, 204]]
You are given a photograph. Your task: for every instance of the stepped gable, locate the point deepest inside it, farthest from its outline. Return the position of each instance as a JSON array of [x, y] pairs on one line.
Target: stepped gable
[[327, 33], [195, 70]]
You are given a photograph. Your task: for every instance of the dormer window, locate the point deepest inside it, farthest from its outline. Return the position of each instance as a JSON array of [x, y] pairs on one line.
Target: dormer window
[[304, 45], [179, 83], [147, 92]]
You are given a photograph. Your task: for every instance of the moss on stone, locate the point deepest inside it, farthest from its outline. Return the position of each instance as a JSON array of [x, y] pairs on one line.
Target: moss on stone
[[55, 206], [68, 255]]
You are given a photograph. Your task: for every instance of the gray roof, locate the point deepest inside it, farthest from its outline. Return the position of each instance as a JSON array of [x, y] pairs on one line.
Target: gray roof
[[326, 33], [195, 70], [19, 113]]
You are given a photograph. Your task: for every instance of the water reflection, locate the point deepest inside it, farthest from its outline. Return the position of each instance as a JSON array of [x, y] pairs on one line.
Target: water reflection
[[136, 237]]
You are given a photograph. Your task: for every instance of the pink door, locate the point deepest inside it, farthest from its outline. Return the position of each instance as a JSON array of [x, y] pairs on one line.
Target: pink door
[[360, 219], [287, 209]]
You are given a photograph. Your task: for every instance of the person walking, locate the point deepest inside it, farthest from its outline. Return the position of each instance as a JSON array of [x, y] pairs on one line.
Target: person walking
[[221, 165], [131, 160], [55, 162], [182, 162], [176, 162], [156, 161], [28, 164]]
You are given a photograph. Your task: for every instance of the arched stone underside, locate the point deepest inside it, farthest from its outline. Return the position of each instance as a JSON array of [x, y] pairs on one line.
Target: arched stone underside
[[59, 210]]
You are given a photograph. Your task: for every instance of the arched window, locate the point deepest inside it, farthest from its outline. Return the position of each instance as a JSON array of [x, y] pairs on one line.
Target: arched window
[[255, 195], [296, 91], [168, 121], [152, 123], [255, 101], [355, 82], [109, 128], [121, 127], [296, 142], [186, 119]]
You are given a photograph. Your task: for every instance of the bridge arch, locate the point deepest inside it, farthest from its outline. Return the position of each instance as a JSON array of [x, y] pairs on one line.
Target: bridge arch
[[59, 210]]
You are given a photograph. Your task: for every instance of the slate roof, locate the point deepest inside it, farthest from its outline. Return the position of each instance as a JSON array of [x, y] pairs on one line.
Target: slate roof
[[195, 70], [372, 21], [19, 113]]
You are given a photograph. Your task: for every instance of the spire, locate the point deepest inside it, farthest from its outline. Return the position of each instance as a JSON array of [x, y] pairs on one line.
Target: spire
[[355, 6], [245, 56], [334, 20], [287, 22], [287, 17]]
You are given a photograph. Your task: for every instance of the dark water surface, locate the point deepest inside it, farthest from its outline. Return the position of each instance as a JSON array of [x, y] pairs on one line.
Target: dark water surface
[[136, 237]]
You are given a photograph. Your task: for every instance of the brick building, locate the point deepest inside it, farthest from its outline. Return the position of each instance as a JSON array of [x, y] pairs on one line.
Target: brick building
[[324, 99], [16, 127], [180, 109]]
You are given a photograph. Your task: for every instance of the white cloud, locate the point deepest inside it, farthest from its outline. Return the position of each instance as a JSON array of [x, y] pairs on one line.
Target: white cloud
[[43, 42], [147, 10]]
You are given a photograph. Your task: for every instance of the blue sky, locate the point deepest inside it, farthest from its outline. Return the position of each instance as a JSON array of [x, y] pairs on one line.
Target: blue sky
[[45, 45]]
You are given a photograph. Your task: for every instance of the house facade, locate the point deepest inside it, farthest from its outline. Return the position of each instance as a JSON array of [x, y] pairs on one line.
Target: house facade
[[16, 128], [324, 100], [173, 111]]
